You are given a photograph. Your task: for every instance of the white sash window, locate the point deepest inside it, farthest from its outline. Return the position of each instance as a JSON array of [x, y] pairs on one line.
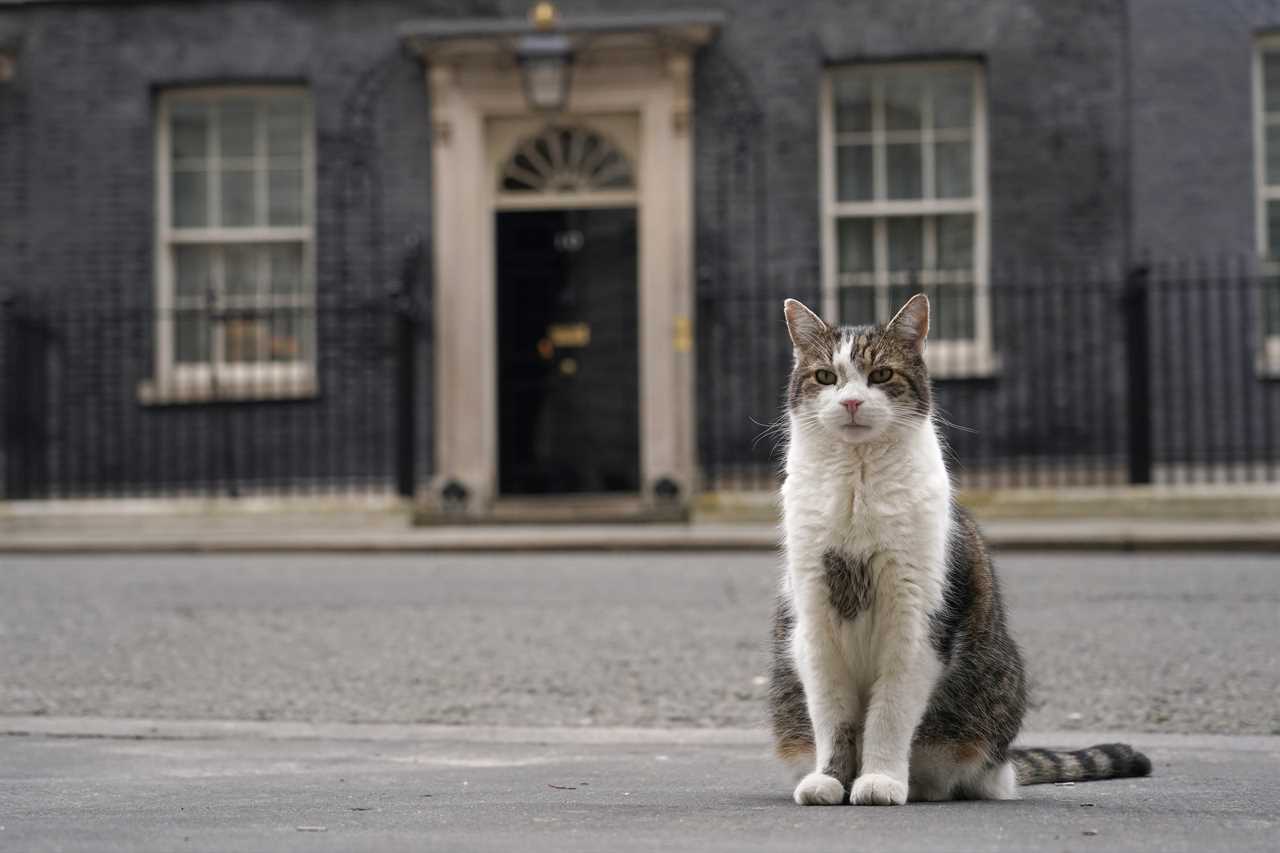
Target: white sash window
[[235, 300], [904, 202], [1266, 94]]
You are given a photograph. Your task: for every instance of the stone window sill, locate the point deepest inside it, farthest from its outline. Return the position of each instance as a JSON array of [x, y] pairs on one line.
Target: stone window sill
[[240, 387]]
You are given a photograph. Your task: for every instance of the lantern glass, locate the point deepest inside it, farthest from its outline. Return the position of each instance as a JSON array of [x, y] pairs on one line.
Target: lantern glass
[[546, 63], [546, 83]]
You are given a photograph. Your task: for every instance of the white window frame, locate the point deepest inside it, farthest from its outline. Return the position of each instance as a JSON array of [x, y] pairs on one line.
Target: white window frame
[[1268, 363], [181, 383], [953, 358]]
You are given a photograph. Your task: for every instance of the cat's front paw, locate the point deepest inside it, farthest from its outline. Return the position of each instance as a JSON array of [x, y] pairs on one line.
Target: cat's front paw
[[877, 789], [819, 789]]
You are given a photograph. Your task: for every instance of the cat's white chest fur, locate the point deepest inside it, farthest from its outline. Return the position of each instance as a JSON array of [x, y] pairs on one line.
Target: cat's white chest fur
[[891, 499]]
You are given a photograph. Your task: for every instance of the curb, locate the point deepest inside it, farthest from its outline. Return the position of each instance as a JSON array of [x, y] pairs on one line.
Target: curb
[[158, 729], [1038, 535]]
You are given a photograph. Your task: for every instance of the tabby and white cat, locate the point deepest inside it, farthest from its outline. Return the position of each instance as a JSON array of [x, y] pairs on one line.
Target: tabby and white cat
[[894, 676]]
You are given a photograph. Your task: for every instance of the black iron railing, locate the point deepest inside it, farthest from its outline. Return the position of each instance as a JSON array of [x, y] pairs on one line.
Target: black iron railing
[[1165, 375], [232, 401]]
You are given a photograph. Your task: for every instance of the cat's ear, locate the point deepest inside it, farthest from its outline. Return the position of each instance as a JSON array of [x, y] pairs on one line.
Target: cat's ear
[[911, 323], [805, 327]]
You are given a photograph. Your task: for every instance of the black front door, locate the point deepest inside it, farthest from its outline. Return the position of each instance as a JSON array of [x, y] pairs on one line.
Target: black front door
[[568, 385]]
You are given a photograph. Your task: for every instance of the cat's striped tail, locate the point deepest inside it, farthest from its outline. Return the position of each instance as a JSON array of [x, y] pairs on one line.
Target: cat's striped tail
[[1104, 761]]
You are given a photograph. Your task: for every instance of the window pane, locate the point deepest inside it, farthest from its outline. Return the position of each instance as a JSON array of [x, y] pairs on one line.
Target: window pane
[[192, 272], [286, 270], [951, 315], [853, 103], [235, 127], [953, 169], [904, 166], [1271, 81], [952, 99], [284, 128], [237, 198], [955, 242], [286, 336], [853, 173], [857, 248], [1273, 229], [190, 199], [1271, 306], [903, 98], [284, 189], [1273, 154], [857, 304], [245, 338], [190, 337], [240, 271], [188, 130], [906, 243]]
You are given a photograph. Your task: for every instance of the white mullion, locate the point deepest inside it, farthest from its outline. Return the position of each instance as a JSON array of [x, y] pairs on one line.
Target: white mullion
[[165, 296], [880, 193], [271, 234], [979, 185], [308, 162], [263, 313], [217, 270], [880, 233], [879, 168], [907, 207], [862, 137], [929, 233], [928, 224], [306, 319], [826, 202], [263, 252], [260, 164], [214, 219], [1264, 191], [923, 278], [213, 209], [926, 141]]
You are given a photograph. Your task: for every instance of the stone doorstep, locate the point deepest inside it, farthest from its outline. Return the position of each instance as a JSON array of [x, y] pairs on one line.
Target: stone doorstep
[[1120, 519], [1003, 535], [380, 511]]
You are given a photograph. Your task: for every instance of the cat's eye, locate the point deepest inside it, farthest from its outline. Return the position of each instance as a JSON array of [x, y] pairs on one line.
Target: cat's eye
[[880, 374], [824, 377]]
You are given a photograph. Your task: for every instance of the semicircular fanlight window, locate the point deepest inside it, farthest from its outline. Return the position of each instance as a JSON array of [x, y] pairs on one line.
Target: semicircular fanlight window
[[566, 159]]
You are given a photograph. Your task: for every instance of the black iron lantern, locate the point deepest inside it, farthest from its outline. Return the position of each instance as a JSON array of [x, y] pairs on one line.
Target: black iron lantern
[[546, 64], [546, 61]]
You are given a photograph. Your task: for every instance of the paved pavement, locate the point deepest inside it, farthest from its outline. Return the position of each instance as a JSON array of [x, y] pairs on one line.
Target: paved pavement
[[1160, 643], [469, 790]]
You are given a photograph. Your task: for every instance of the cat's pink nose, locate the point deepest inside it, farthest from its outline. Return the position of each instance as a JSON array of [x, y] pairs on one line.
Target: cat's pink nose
[[852, 406]]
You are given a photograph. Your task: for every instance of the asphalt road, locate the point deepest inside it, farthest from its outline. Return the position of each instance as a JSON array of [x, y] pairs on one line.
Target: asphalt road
[[546, 793], [1146, 643]]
